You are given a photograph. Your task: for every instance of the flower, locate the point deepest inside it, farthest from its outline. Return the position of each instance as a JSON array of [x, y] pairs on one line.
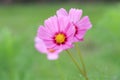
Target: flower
[[57, 33], [81, 24], [41, 47]]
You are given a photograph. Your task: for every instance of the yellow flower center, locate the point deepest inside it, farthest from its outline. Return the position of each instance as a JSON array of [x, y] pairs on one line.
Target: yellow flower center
[[60, 38]]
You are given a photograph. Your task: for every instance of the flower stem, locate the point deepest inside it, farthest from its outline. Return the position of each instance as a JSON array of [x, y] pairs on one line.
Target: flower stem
[[82, 62], [75, 62]]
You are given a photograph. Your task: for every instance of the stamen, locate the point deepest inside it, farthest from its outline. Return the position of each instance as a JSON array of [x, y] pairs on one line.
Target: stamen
[[51, 50], [60, 38]]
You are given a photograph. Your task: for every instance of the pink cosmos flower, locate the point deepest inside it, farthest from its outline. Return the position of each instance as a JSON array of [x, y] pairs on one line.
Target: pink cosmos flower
[[81, 24], [41, 47], [57, 33]]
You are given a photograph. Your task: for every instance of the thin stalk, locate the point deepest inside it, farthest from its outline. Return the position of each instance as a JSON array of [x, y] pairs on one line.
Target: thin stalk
[[81, 59], [75, 62]]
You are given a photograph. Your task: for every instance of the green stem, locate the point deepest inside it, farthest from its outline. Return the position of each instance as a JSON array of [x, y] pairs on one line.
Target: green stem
[[75, 62], [82, 62]]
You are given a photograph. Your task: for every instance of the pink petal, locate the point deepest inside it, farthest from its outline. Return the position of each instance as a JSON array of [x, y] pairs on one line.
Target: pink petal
[[81, 34], [70, 30], [75, 14], [51, 24], [84, 23], [62, 46], [67, 46], [39, 45], [43, 33], [53, 56], [50, 43], [62, 12], [56, 47], [63, 22], [76, 39]]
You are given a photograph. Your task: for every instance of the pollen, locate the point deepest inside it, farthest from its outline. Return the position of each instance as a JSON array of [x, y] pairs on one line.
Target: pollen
[[60, 38]]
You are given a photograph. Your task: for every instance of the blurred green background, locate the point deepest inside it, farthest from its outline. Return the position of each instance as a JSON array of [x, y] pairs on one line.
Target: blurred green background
[[19, 60]]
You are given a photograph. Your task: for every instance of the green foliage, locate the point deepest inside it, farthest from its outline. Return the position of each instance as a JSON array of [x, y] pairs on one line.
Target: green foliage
[[19, 60]]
